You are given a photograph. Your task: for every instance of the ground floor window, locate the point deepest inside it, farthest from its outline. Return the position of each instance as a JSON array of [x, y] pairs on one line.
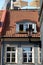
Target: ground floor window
[[11, 54], [27, 54]]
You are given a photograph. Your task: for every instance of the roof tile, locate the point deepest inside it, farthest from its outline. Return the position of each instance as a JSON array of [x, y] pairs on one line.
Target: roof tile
[[2, 18]]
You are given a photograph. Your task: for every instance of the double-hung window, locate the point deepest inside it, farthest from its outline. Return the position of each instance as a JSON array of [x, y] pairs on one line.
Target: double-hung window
[[28, 55], [11, 54]]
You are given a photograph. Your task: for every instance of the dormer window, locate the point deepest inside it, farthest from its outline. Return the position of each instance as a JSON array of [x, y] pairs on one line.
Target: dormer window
[[21, 27]]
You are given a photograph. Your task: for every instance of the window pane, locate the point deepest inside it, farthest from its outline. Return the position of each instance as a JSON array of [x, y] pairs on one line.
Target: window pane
[[29, 59], [8, 48], [24, 59], [24, 55], [21, 27], [29, 54], [8, 55], [27, 49], [8, 59], [13, 55], [13, 59], [30, 26], [13, 48]]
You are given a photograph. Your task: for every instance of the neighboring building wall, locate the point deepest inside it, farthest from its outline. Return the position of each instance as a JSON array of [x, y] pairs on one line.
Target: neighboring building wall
[[0, 52], [41, 29]]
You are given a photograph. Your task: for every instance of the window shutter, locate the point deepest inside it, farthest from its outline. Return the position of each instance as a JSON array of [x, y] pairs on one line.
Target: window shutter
[[17, 27], [25, 27]]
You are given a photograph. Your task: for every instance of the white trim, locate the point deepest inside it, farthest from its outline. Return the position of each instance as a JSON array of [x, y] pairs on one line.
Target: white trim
[[33, 54], [39, 55]]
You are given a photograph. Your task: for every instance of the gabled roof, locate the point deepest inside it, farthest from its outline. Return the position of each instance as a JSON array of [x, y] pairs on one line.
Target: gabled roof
[[14, 16], [2, 18]]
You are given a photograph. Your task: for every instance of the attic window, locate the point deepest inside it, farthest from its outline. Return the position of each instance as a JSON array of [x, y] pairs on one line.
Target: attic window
[[21, 27], [24, 26]]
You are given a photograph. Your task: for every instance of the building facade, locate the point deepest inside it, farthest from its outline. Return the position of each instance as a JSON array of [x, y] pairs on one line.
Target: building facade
[[21, 38], [20, 34]]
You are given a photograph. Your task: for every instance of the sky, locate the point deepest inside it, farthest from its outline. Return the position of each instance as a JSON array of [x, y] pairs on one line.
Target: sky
[[3, 1]]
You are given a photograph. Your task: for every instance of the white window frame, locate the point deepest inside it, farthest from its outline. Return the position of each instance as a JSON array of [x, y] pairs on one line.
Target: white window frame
[[24, 46], [11, 53], [39, 55]]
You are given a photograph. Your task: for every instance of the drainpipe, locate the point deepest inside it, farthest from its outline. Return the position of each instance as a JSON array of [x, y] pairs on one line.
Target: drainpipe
[[11, 4]]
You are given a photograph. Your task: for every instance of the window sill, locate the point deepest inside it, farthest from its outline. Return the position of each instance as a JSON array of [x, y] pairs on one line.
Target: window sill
[[28, 63], [21, 32], [10, 63], [34, 32], [24, 32]]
